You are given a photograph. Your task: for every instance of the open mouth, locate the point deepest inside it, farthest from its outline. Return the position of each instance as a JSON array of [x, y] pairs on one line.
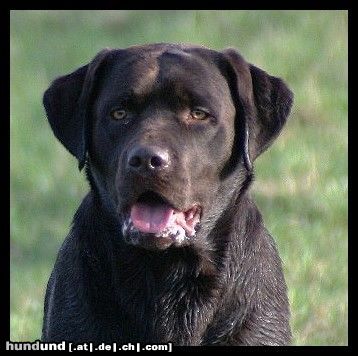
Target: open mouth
[[153, 214]]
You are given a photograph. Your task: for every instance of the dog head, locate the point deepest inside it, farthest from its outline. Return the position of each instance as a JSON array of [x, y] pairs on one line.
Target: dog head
[[169, 133]]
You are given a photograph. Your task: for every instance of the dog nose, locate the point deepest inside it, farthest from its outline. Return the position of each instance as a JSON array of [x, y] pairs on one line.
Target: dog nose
[[148, 158]]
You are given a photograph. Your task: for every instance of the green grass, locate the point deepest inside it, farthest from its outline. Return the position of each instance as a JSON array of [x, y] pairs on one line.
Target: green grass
[[301, 182]]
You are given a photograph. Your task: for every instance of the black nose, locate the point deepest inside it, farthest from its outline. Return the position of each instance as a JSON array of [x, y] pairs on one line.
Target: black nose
[[148, 159]]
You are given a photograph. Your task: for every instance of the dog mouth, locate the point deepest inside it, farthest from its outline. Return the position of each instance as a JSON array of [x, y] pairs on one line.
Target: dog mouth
[[152, 215]]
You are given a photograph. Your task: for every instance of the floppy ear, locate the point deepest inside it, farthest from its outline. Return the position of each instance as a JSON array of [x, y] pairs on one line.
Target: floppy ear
[[66, 103], [265, 103]]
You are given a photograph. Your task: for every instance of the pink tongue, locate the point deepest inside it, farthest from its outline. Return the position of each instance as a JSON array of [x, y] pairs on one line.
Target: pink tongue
[[151, 218]]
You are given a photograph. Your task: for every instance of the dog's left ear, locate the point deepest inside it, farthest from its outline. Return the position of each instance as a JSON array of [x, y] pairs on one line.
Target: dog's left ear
[[264, 103], [66, 103]]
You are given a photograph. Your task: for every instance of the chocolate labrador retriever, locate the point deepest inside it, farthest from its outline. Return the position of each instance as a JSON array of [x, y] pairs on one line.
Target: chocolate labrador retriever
[[168, 245]]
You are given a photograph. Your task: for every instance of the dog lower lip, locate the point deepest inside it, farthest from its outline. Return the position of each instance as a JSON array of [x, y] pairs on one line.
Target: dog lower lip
[[153, 214]]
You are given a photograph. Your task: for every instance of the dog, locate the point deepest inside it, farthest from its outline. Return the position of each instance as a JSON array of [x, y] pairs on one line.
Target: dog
[[168, 245]]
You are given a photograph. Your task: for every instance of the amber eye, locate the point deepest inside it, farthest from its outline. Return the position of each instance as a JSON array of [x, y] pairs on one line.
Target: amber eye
[[198, 114], [118, 114]]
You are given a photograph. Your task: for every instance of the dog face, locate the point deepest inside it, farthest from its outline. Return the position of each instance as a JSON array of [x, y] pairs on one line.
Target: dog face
[[170, 133]]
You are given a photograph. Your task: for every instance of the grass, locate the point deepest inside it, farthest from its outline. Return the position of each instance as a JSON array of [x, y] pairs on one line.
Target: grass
[[301, 182]]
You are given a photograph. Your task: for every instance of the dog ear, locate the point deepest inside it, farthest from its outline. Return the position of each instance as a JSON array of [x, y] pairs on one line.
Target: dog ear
[[264, 102], [66, 103]]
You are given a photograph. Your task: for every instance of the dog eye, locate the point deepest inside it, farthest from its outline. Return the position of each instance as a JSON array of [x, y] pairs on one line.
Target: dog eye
[[199, 114], [118, 114]]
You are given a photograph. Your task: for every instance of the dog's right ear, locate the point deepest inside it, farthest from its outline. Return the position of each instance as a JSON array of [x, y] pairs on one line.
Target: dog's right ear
[[264, 102], [66, 103]]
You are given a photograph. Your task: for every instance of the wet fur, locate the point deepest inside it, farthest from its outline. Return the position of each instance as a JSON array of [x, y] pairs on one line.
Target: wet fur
[[227, 288]]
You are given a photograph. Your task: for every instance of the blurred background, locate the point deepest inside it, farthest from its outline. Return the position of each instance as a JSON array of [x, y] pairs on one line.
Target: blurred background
[[301, 181]]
